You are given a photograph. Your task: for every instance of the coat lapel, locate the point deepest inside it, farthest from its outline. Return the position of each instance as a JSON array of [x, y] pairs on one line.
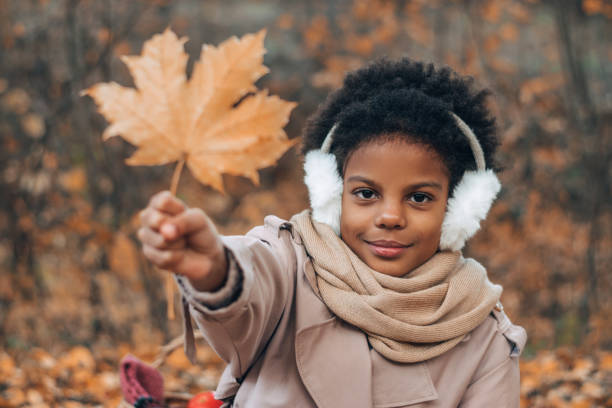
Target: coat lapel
[[400, 385], [334, 365], [329, 351]]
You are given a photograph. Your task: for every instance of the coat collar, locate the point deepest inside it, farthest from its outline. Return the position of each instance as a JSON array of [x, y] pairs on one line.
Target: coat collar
[[330, 351]]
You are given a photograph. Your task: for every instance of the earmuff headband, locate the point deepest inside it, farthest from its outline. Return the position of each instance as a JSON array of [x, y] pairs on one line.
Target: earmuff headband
[[466, 208], [465, 129]]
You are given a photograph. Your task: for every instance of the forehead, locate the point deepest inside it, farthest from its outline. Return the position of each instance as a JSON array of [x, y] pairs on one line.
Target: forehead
[[396, 161]]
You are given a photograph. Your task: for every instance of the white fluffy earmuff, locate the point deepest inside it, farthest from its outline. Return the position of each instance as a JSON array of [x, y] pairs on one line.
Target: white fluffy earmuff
[[324, 184], [471, 199], [467, 206]]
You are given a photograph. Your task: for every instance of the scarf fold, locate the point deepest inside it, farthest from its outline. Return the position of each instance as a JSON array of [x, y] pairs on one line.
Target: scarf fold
[[407, 319]]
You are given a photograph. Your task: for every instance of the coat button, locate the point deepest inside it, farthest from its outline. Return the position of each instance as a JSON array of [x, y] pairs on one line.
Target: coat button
[[499, 307]]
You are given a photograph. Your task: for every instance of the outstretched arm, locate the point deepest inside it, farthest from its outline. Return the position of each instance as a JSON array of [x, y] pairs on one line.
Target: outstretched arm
[[236, 287]]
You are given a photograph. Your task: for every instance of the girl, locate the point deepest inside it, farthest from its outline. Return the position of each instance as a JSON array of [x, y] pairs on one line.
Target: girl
[[365, 300]]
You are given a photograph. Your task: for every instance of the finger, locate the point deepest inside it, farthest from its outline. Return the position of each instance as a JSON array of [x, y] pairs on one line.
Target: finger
[[166, 202], [152, 218], [147, 236], [180, 243], [190, 221], [150, 237], [165, 259]]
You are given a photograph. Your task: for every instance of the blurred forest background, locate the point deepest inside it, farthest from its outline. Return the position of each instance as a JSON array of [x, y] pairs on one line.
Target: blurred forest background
[[75, 291]]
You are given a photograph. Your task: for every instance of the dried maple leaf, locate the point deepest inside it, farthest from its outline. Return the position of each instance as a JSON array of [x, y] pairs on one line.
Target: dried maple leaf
[[217, 121]]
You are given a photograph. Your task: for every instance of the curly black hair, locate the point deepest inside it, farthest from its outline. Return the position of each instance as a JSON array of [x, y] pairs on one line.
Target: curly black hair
[[411, 99]]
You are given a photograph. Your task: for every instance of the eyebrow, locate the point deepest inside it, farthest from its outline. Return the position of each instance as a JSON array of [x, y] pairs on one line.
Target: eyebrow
[[366, 180]]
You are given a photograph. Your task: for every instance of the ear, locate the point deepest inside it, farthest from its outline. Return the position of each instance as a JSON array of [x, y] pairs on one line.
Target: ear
[[468, 206], [324, 188]]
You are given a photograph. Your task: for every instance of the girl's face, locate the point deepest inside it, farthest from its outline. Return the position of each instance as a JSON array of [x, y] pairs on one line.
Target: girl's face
[[393, 204]]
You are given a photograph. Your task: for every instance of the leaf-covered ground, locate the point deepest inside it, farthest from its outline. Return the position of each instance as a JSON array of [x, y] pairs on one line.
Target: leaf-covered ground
[[81, 377]]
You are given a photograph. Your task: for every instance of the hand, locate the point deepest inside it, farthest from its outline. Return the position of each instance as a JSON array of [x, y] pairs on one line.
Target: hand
[[183, 240]]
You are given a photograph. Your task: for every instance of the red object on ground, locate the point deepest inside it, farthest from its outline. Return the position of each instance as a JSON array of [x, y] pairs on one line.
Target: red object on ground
[[204, 400]]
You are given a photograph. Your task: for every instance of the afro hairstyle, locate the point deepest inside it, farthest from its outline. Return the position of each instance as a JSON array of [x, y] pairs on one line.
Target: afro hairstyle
[[405, 98]]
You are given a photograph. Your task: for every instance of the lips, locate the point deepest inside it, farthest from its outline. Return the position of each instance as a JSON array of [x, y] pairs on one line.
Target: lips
[[386, 248], [387, 244]]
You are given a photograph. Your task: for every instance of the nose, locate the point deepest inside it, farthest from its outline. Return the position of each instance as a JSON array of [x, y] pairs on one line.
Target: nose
[[391, 216]]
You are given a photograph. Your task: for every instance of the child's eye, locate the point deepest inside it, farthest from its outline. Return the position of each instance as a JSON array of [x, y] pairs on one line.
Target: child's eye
[[365, 194], [420, 198]]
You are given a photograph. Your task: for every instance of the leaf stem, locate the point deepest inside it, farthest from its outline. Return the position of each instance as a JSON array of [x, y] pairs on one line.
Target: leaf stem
[[169, 297], [176, 176]]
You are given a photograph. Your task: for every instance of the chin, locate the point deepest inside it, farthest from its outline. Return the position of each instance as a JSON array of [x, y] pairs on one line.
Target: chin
[[387, 267]]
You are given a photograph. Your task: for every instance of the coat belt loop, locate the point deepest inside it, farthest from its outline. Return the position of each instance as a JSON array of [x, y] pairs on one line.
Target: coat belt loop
[[188, 338]]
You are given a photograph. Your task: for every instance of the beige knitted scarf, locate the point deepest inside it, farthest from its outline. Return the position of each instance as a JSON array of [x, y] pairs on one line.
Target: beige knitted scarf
[[407, 319]]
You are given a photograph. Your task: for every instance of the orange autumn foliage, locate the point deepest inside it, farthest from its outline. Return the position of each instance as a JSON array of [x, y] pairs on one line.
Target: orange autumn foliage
[[81, 376], [217, 121]]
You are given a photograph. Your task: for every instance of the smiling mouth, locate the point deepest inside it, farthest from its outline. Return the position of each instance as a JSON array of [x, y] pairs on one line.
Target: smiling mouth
[[387, 249]]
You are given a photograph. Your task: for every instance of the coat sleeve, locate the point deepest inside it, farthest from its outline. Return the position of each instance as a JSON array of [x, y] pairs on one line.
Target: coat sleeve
[[261, 281], [500, 387]]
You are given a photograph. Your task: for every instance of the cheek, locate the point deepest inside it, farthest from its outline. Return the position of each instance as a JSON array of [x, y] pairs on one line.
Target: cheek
[[354, 218], [347, 217], [434, 224]]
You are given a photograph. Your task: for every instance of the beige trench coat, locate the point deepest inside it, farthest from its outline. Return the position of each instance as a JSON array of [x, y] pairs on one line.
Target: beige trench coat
[[287, 349]]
